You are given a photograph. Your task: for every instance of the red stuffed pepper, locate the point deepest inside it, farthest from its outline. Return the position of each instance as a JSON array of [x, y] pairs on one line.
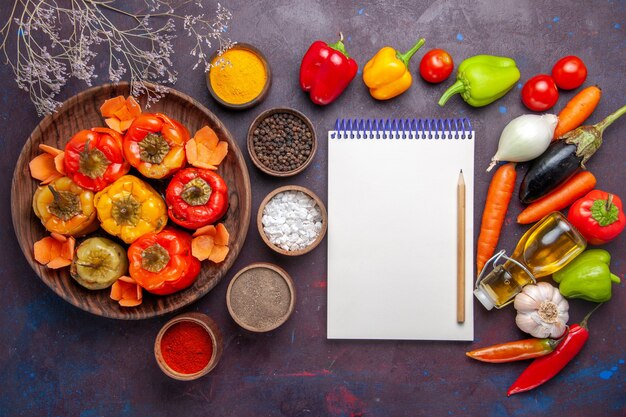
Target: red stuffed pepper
[[155, 145], [196, 197], [326, 71], [598, 216], [161, 263], [94, 158]]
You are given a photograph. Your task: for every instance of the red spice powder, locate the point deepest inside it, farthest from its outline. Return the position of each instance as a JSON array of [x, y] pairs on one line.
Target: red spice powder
[[186, 347]]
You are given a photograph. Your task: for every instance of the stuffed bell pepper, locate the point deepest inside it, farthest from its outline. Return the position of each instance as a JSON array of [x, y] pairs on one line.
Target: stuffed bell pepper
[[94, 158], [196, 197], [130, 208], [155, 145], [162, 263]]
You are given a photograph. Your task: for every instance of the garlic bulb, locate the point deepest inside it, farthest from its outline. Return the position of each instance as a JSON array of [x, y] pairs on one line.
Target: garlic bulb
[[541, 311]]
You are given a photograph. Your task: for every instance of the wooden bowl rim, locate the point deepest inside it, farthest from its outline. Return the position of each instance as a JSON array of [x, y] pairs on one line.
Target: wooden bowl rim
[[319, 203], [264, 92], [210, 326], [245, 202], [250, 144], [283, 274]]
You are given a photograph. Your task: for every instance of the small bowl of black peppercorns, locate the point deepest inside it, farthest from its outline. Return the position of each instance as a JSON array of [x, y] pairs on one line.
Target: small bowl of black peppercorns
[[281, 142]]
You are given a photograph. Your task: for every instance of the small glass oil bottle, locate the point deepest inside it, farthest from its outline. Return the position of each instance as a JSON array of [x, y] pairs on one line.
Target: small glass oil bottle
[[544, 249]]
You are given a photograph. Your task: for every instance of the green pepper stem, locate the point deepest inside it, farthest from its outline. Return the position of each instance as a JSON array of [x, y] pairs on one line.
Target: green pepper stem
[[610, 119], [339, 46], [583, 323], [406, 57], [457, 87]]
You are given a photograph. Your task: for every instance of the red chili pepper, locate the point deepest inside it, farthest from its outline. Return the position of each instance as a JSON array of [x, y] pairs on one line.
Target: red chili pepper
[[545, 368], [598, 216], [94, 158], [514, 351], [326, 71], [196, 197], [162, 262]]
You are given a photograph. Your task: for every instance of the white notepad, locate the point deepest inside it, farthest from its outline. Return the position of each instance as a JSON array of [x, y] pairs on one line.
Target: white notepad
[[392, 229]]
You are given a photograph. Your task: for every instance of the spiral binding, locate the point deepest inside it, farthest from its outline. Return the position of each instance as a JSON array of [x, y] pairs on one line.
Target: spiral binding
[[403, 129]]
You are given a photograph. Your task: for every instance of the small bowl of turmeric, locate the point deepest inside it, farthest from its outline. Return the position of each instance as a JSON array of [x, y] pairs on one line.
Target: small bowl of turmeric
[[240, 77]]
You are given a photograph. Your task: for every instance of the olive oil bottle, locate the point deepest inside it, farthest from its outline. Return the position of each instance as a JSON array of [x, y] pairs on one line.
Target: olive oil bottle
[[544, 249]]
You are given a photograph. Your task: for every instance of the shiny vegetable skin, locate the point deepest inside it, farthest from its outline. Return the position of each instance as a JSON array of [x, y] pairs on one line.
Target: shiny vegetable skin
[[555, 166], [546, 367], [518, 350], [563, 157]]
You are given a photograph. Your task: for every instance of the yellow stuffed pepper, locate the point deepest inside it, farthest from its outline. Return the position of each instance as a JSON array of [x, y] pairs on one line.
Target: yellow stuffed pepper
[[65, 208], [129, 208], [387, 74]]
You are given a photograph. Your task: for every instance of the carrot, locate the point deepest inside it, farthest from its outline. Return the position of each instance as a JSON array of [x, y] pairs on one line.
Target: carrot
[[205, 230], [202, 246], [205, 150], [498, 198], [126, 292], [218, 254], [222, 235], [576, 187], [577, 110]]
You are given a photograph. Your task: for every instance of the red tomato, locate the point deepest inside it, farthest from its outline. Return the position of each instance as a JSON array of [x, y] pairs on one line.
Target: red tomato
[[569, 72], [436, 66], [540, 93]]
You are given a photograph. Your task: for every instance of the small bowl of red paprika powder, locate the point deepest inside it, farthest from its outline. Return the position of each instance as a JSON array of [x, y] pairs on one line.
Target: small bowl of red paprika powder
[[188, 346]]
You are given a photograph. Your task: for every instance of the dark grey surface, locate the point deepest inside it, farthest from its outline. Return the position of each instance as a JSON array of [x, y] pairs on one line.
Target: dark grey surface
[[60, 361]]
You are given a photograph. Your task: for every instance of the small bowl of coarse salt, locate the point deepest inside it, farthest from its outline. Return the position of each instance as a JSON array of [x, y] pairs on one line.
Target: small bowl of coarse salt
[[292, 220]]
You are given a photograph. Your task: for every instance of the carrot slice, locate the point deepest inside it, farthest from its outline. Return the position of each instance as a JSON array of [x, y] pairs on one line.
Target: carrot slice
[[42, 167], [59, 237], [110, 106], [205, 230], [218, 254], [219, 153], [116, 291], [221, 235], [125, 124], [207, 137], [113, 123], [127, 302], [123, 113], [67, 249], [203, 165], [43, 249], [59, 262], [59, 163], [49, 149], [202, 247], [133, 107]]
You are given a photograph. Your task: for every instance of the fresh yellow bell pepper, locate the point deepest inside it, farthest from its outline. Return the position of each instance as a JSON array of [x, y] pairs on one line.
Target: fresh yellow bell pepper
[[65, 208], [129, 208], [387, 74]]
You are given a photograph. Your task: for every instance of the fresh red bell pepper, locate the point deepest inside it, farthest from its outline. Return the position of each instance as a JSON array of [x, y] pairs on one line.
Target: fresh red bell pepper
[[94, 158], [326, 71], [598, 216], [546, 367], [196, 197], [162, 263]]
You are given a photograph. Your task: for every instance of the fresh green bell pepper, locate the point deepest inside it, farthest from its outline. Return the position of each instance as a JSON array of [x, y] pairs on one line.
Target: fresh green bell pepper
[[482, 79], [587, 277]]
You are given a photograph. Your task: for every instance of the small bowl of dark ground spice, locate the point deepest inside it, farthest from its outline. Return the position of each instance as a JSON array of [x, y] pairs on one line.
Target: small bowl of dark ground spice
[[261, 297], [188, 346], [281, 142]]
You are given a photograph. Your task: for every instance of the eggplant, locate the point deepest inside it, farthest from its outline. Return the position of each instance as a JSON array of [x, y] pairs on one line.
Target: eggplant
[[563, 158], [551, 169]]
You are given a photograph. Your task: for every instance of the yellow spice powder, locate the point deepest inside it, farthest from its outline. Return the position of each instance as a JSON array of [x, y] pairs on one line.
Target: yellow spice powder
[[238, 76]]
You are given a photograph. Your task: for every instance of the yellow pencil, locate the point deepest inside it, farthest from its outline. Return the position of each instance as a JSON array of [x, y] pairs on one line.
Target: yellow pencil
[[460, 251]]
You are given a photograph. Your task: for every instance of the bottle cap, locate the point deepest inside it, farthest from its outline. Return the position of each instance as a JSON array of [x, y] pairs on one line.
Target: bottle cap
[[484, 298]]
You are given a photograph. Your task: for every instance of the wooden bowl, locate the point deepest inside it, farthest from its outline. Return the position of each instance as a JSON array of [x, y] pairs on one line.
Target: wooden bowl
[[257, 99], [82, 112], [319, 203], [257, 162], [255, 308], [211, 328]]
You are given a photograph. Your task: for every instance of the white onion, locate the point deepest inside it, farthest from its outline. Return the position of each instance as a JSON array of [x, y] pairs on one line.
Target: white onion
[[525, 138]]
